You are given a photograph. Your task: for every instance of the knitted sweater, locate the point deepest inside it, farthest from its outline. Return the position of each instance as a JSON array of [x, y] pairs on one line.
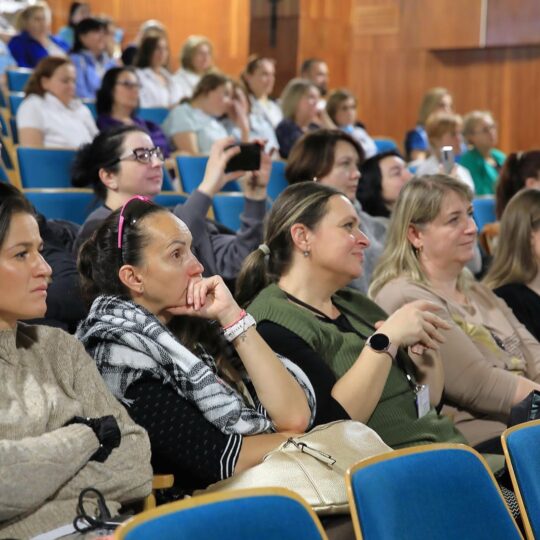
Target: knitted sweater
[[47, 379], [395, 417]]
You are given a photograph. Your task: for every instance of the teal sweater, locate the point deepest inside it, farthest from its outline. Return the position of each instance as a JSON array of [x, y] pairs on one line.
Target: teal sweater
[[395, 418], [483, 174]]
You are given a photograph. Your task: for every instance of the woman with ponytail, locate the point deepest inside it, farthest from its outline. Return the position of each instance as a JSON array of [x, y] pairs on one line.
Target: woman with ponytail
[[180, 353], [355, 357]]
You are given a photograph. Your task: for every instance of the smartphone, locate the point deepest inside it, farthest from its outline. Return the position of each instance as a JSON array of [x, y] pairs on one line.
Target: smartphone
[[448, 159], [248, 159]]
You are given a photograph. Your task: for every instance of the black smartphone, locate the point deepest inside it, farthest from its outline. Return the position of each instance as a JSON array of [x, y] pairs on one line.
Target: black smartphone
[[248, 159]]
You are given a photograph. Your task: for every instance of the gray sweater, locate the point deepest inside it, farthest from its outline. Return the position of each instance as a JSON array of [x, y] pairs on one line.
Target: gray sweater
[[219, 252], [47, 379]]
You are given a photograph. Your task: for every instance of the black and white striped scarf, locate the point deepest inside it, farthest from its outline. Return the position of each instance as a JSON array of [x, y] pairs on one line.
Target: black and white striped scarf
[[127, 342]]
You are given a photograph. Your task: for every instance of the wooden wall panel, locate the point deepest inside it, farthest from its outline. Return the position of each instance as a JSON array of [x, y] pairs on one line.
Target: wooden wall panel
[[513, 23], [225, 23]]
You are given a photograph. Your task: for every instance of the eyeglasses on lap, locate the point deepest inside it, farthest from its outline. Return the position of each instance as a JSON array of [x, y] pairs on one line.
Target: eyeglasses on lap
[[132, 210], [142, 155]]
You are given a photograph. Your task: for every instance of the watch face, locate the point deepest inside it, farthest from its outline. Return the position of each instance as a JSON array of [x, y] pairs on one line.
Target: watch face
[[379, 342]]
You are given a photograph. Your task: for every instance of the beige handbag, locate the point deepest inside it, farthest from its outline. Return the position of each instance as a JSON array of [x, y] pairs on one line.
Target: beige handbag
[[313, 465]]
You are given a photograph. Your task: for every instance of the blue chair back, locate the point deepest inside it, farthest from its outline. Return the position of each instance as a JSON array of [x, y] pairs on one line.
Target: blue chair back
[[17, 78], [437, 491], [15, 99], [45, 168], [167, 181], [91, 107], [265, 514], [227, 209], [191, 170], [484, 211], [153, 114], [277, 182], [385, 144], [170, 199], [71, 204], [521, 446]]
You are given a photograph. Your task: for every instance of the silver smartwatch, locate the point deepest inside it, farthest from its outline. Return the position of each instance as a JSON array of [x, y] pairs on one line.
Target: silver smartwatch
[[381, 343]]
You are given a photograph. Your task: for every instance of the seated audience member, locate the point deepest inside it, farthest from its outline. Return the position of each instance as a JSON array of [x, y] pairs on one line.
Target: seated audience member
[[520, 170], [61, 429], [341, 108], [117, 102], [333, 158], [77, 12], [491, 362], [90, 57], [113, 39], [196, 60], [436, 99], [195, 125], [149, 28], [260, 128], [316, 71], [300, 114], [35, 41], [158, 88], [294, 287], [50, 116], [259, 77], [483, 160], [514, 271], [157, 349], [124, 162], [383, 176], [444, 129]]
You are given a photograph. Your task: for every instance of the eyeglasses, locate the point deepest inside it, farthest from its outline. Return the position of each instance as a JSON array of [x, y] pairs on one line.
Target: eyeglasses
[[128, 84], [486, 129], [132, 210], [142, 155]]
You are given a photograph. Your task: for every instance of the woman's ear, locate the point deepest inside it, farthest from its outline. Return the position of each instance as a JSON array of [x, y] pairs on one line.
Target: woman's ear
[[300, 235], [414, 236], [532, 182], [108, 178], [132, 279]]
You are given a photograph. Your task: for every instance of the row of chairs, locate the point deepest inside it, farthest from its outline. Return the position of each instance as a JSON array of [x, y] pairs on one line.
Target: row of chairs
[[437, 491]]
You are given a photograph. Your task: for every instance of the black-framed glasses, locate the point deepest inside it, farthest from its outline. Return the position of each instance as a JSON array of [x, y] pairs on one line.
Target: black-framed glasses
[[132, 210], [129, 84], [142, 155]]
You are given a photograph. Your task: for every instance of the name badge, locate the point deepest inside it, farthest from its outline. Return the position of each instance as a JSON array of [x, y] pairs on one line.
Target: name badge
[[422, 400]]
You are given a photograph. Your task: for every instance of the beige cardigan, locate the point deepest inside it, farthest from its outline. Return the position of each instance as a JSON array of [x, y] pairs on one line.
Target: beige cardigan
[[480, 377], [47, 378]]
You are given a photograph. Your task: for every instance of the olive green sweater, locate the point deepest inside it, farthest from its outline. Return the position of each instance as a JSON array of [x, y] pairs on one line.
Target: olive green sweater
[[395, 417], [46, 379]]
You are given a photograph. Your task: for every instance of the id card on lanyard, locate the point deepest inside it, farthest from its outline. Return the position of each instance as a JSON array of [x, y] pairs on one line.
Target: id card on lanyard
[[422, 399]]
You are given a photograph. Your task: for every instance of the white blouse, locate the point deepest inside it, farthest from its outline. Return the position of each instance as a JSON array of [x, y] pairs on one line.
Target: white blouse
[[156, 94], [62, 126]]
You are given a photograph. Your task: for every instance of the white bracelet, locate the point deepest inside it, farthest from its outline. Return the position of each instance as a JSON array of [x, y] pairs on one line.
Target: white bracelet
[[238, 328]]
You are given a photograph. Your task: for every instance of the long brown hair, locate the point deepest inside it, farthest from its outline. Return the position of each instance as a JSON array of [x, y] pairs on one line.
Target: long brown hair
[[45, 69]]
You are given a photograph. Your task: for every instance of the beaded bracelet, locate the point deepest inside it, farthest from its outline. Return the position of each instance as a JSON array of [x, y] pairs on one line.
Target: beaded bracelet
[[238, 328]]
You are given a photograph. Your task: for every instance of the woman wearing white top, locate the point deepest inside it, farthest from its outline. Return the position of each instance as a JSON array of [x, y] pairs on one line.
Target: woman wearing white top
[[196, 58], [444, 129], [259, 78], [158, 88], [195, 125], [50, 116]]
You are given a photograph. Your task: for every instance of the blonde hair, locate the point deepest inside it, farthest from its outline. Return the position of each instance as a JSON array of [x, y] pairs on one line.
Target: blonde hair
[[472, 119], [190, 46], [430, 102], [440, 123], [23, 16], [514, 260], [418, 204], [292, 94]]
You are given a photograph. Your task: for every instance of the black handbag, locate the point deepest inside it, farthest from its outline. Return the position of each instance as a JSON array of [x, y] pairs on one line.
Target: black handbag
[[526, 410]]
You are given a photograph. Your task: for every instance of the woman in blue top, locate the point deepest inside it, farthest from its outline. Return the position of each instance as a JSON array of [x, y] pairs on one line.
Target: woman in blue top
[[77, 12], [35, 41], [90, 57]]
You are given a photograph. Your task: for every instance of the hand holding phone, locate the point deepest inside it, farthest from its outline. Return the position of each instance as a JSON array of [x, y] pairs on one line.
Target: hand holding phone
[[448, 159]]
